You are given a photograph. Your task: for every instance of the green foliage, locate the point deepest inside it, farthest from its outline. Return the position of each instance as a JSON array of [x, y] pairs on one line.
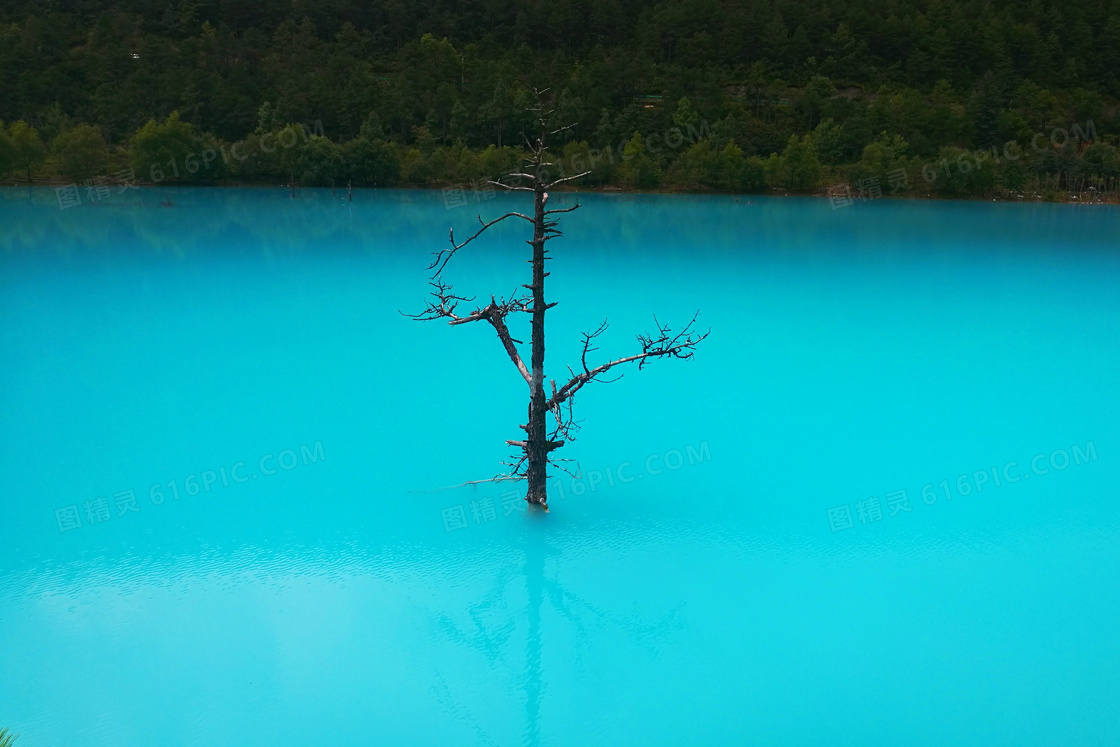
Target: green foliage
[[416, 169], [639, 170], [287, 150], [739, 173], [797, 168], [53, 121], [371, 128], [398, 105], [812, 99], [7, 151], [960, 172], [458, 125], [28, 149], [735, 173], [161, 152], [830, 144], [7, 739], [1013, 175], [81, 152], [603, 163], [1102, 160], [443, 164], [685, 116], [495, 161], [266, 118], [694, 167], [727, 169], [254, 157], [371, 162], [282, 154], [881, 158], [319, 162]]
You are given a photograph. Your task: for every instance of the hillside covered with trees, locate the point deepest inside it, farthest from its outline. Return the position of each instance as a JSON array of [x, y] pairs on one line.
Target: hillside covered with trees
[[872, 97]]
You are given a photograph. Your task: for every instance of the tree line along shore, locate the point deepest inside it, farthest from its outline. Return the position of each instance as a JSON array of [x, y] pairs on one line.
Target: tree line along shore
[[1064, 164], [949, 99]]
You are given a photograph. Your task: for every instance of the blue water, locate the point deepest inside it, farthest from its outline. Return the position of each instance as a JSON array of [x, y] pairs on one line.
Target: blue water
[[735, 566]]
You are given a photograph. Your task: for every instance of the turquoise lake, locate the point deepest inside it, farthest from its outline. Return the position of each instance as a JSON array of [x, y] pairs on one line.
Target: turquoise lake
[[879, 507]]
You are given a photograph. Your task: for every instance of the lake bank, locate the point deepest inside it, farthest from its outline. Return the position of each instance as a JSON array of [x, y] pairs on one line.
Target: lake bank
[[841, 194]]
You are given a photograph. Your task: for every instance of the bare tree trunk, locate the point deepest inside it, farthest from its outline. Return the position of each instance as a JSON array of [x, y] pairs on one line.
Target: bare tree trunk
[[537, 443], [534, 453]]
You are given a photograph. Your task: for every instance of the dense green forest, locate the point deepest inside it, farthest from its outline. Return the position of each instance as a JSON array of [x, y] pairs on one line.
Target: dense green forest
[[860, 97]]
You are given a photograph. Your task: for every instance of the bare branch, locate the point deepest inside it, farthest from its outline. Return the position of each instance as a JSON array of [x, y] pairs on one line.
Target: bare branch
[[662, 344], [566, 426], [559, 464], [444, 256], [496, 316], [517, 469], [496, 478], [444, 303], [552, 184], [563, 210], [511, 187], [558, 130]]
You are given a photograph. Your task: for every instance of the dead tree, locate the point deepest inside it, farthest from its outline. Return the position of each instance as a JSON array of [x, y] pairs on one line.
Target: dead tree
[[534, 451]]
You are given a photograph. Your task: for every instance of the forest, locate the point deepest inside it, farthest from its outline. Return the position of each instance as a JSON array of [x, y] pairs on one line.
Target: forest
[[854, 98]]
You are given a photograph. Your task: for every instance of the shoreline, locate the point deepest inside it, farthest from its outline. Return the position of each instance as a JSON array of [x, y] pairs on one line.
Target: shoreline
[[1066, 198]]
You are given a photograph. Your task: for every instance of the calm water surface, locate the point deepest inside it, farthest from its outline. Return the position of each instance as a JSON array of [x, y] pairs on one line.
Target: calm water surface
[[738, 564]]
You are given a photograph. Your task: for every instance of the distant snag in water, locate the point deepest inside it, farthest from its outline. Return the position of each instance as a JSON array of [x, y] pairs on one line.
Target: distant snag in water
[[534, 452]]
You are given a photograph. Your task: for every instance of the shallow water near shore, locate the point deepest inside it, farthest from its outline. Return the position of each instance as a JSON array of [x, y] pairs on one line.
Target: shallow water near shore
[[879, 507]]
